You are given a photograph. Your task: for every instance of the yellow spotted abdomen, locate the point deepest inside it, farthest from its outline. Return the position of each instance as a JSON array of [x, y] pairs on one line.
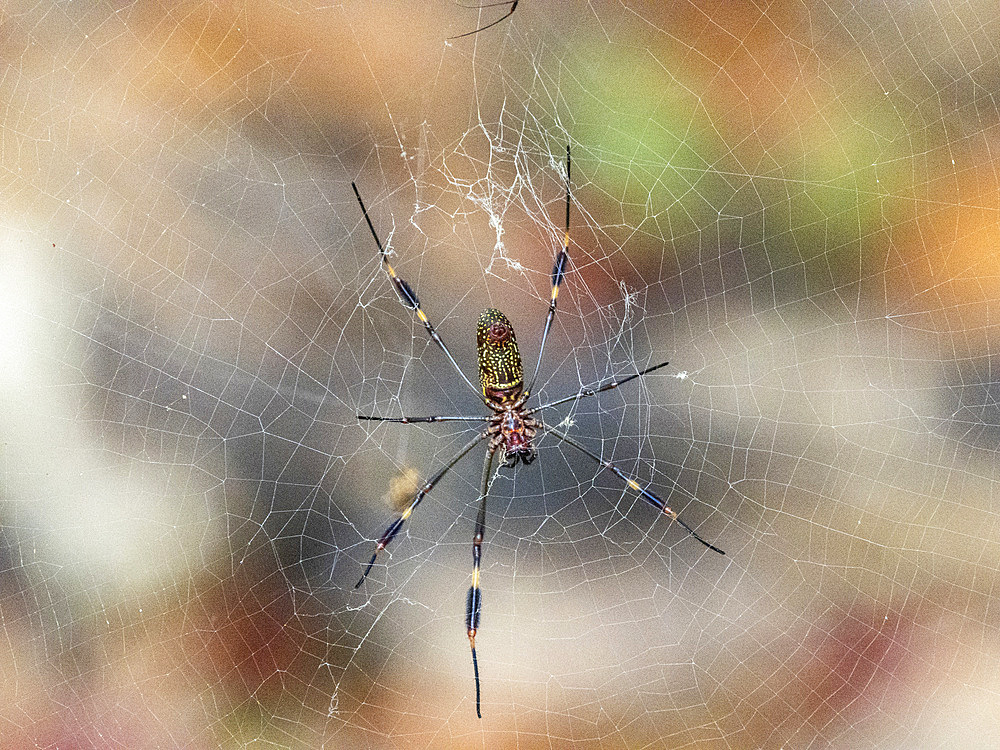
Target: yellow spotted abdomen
[[500, 370]]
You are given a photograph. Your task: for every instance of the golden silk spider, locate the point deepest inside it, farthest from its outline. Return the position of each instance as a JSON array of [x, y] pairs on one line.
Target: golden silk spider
[[511, 426]]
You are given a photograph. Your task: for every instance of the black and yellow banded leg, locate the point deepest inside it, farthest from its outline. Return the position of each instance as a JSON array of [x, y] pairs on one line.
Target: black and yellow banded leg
[[644, 492], [558, 272], [390, 533], [415, 420], [409, 298], [594, 391], [474, 600]]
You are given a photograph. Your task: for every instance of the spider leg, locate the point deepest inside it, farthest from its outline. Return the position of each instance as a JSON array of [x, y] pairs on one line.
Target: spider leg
[[395, 526], [508, 14], [409, 298], [413, 420], [594, 391], [474, 600], [644, 492], [558, 271]]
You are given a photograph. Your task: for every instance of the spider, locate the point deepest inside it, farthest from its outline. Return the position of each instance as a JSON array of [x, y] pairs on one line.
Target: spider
[[512, 426], [505, 16]]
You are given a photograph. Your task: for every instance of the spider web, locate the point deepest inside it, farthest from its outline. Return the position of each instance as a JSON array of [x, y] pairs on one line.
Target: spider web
[[795, 204]]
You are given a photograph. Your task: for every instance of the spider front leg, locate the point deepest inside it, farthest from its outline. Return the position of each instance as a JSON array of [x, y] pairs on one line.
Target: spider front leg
[[390, 533], [558, 271], [408, 298]]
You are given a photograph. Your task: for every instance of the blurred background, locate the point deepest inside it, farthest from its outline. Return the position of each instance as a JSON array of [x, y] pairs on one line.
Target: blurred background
[[796, 204]]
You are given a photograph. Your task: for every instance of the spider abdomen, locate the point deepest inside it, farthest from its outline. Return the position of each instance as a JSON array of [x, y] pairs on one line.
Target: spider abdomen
[[500, 370]]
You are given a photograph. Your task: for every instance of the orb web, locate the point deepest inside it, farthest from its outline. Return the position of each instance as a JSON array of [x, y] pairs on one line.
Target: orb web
[[794, 204]]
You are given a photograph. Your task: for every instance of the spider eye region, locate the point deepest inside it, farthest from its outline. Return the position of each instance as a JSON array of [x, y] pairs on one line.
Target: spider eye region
[[500, 370]]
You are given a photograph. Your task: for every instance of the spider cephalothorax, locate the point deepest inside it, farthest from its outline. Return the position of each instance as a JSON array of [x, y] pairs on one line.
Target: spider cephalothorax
[[511, 429], [510, 425]]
